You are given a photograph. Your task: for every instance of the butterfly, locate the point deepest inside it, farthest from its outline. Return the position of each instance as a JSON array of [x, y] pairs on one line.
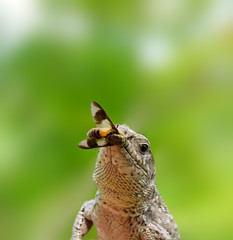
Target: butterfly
[[105, 127]]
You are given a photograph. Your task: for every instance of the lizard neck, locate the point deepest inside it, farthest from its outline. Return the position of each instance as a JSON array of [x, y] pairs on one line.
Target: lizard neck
[[127, 209], [122, 184], [119, 193]]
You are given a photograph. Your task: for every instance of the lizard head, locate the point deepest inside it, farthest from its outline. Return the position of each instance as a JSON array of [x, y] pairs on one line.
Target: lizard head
[[136, 150], [125, 169]]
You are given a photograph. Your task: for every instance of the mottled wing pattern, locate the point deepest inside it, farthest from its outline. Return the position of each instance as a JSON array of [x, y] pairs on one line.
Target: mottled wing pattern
[[93, 143], [100, 117], [102, 121]]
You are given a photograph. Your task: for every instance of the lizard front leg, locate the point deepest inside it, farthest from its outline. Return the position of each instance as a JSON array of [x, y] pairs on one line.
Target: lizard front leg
[[83, 222]]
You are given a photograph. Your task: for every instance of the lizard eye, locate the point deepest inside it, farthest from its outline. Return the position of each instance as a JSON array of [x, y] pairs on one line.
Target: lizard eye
[[143, 147]]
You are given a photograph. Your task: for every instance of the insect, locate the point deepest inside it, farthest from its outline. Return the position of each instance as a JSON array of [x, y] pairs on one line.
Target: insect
[[105, 128], [99, 132]]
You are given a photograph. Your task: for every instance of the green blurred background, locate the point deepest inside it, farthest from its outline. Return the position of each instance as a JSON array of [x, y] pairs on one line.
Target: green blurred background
[[165, 68]]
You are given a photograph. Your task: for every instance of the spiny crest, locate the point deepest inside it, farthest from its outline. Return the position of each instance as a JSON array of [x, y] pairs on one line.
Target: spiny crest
[[96, 136]]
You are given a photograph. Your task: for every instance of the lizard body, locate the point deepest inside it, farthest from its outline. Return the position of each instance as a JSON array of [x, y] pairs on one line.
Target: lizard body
[[128, 205]]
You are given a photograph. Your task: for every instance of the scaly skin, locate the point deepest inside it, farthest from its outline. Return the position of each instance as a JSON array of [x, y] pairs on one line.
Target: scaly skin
[[128, 205]]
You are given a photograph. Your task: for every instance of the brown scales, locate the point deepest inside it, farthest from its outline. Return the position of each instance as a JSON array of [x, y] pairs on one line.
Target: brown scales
[[128, 205]]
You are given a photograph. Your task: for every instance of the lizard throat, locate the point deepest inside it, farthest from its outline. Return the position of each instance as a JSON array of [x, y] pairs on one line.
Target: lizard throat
[[119, 183]]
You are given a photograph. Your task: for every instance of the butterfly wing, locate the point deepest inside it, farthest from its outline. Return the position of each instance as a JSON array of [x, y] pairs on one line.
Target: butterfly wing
[[100, 117], [102, 121], [93, 143]]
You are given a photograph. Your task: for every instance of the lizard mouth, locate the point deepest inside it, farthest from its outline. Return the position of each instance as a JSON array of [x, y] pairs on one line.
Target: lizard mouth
[[131, 155], [128, 154]]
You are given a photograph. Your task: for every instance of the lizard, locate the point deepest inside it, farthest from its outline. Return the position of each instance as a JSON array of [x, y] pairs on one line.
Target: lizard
[[128, 205]]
